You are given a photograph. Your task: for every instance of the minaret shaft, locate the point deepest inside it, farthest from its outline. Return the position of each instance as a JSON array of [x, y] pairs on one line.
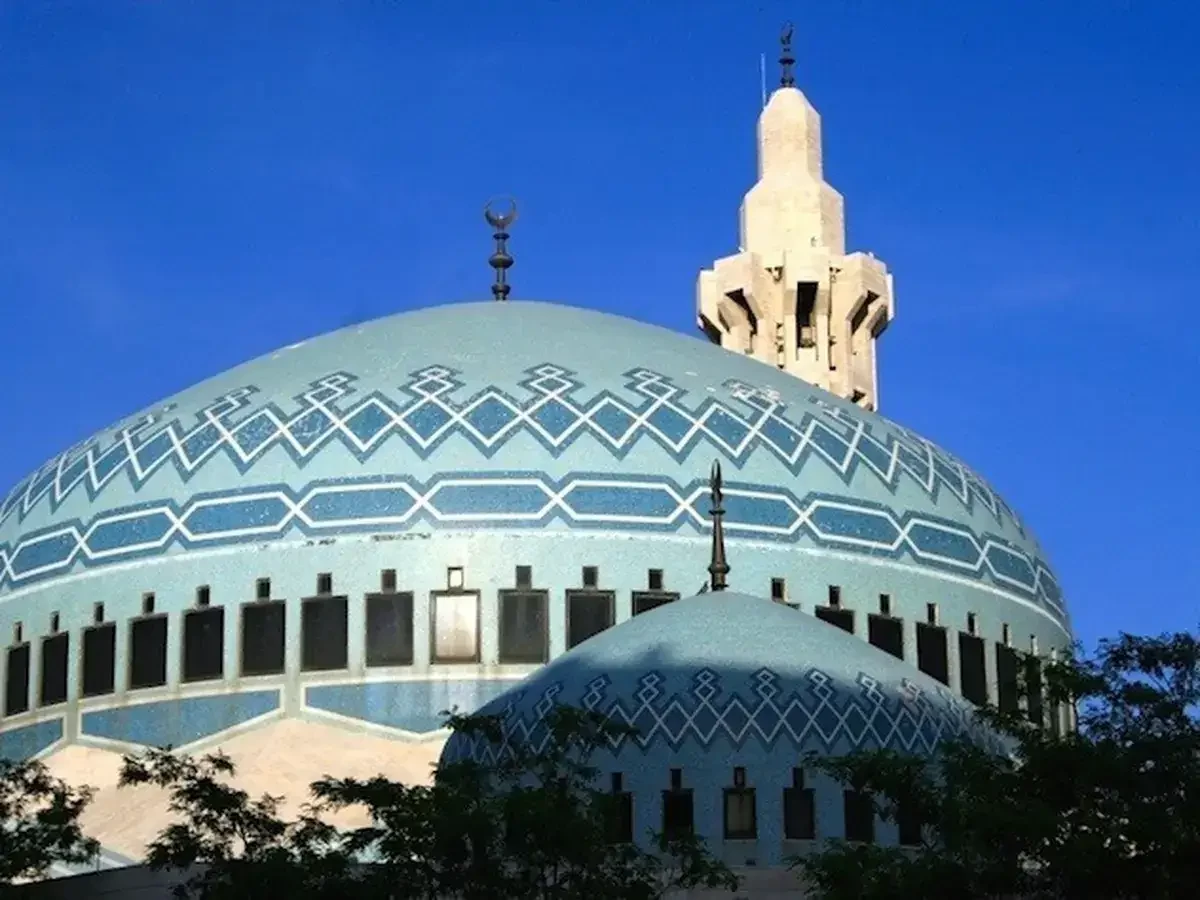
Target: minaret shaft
[[792, 297]]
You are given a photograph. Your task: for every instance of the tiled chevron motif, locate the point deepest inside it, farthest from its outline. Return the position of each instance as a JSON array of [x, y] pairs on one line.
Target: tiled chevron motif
[[425, 412], [813, 712], [525, 499]]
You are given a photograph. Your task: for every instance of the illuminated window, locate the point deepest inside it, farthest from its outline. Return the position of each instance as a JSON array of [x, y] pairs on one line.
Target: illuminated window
[[455, 626], [741, 819]]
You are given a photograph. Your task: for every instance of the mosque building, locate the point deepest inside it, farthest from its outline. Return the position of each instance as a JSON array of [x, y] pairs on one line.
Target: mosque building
[[304, 560]]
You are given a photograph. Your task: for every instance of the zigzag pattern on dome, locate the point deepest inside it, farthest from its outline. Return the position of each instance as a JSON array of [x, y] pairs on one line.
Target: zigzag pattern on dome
[[814, 712], [526, 499], [429, 415]]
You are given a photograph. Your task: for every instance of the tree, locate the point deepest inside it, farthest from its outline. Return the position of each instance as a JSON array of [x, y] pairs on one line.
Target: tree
[[1110, 809], [531, 825], [39, 822]]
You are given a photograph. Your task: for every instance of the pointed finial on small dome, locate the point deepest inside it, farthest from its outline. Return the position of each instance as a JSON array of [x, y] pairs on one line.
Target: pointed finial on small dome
[[500, 259], [786, 59], [719, 567]]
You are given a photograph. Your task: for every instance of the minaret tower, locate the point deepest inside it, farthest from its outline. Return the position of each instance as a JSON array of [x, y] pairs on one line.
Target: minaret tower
[[792, 297]]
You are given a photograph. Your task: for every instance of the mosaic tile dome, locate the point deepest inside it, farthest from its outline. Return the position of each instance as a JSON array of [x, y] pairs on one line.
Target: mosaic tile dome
[[726, 680], [487, 469], [723, 672], [512, 417]]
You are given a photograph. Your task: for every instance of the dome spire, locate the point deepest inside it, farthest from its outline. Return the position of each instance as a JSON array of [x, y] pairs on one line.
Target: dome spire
[[719, 567], [786, 58], [500, 260]]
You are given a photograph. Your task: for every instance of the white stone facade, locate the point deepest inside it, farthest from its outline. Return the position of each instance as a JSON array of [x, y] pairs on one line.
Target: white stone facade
[[792, 297]]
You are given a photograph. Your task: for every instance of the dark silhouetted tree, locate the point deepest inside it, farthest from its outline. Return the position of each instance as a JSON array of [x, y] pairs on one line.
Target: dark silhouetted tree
[[530, 825], [39, 822], [1109, 810]]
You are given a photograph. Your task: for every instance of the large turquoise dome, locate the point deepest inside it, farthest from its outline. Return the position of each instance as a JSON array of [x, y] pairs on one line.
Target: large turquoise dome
[[511, 417], [340, 540]]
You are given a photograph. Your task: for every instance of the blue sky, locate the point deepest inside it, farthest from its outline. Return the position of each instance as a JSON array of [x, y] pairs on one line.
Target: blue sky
[[186, 185]]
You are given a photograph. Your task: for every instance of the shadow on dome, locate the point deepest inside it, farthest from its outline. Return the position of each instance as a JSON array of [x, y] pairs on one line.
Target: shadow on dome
[[721, 682]]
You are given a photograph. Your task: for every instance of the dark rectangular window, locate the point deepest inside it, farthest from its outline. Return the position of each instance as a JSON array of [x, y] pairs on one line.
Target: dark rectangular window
[[591, 577], [588, 612], [620, 828], [455, 619], [839, 618], [677, 812], [263, 634], [323, 633], [885, 604], [99, 660], [390, 629], [835, 596], [932, 653], [524, 632], [860, 817], [908, 823], [523, 578], [972, 669], [16, 692], [741, 817], [262, 589], [644, 601], [799, 810], [887, 634], [387, 581], [203, 595], [204, 643], [654, 580], [148, 652], [1033, 689], [779, 590], [148, 604], [324, 584], [1007, 687], [56, 650]]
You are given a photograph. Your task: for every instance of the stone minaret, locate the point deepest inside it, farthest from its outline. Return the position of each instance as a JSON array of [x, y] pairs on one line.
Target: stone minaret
[[792, 297]]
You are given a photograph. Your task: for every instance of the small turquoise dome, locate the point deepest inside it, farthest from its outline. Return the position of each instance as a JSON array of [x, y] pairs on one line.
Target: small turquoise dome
[[725, 680], [724, 672]]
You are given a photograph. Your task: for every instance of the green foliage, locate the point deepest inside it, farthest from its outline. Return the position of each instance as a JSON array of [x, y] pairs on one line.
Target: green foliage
[[529, 826], [39, 822], [1109, 810]]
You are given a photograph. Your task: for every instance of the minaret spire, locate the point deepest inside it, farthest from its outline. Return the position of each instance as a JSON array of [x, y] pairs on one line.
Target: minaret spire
[[500, 260], [719, 567], [786, 59], [792, 297]]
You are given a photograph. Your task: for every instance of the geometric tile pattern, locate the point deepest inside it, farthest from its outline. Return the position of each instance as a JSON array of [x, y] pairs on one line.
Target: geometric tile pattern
[[30, 740], [415, 707], [425, 413], [812, 712], [526, 499], [179, 721]]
